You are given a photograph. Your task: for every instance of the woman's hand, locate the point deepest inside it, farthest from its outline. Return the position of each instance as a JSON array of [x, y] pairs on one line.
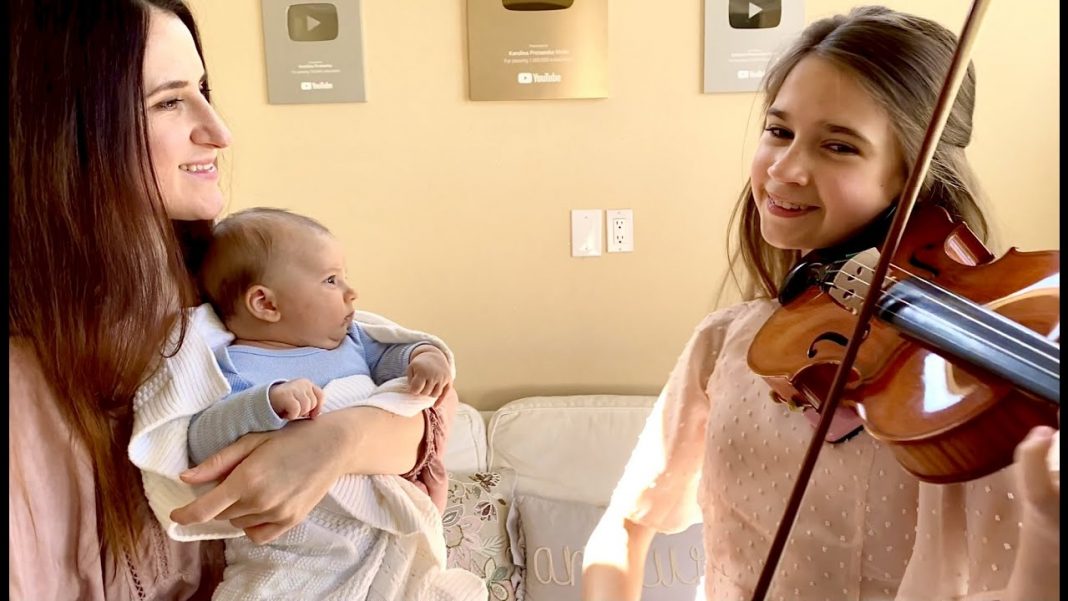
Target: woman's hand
[[270, 480]]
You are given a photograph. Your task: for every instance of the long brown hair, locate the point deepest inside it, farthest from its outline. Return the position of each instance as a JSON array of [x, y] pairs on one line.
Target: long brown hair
[[901, 60], [98, 272]]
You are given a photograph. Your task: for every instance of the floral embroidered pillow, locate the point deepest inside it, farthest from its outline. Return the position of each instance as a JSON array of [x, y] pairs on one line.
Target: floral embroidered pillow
[[476, 535]]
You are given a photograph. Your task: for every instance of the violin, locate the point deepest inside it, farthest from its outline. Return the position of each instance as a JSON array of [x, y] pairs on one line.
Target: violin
[[961, 359], [945, 353]]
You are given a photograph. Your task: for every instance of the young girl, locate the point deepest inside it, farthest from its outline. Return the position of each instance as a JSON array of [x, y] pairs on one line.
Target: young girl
[[847, 107]]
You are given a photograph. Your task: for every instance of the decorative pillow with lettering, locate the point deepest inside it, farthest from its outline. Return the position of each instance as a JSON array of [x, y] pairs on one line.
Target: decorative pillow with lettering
[[548, 536], [476, 535]]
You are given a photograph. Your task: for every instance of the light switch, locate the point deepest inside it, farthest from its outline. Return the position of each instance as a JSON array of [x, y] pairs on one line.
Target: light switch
[[586, 228]]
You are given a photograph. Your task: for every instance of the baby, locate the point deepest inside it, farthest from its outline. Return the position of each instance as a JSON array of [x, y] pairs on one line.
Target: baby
[[276, 280]]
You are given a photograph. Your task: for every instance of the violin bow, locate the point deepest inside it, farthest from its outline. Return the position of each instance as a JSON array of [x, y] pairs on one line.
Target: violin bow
[[957, 69]]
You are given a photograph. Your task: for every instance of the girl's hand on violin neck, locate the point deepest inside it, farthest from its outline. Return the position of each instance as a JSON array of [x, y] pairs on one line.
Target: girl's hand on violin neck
[[1039, 485], [1036, 573]]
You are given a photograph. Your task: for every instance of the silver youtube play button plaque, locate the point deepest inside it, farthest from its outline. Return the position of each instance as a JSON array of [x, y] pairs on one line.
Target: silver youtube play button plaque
[[314, 51]]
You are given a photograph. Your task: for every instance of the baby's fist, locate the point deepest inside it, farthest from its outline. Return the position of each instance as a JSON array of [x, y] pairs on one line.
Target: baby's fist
[[428, 372], [296, 398]]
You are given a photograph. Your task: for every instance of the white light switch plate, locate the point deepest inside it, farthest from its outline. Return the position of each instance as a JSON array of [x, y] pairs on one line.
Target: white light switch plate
[[586, 228]]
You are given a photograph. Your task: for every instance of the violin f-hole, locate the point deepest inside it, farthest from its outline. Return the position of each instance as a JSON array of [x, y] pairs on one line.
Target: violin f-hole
[[835, 337]]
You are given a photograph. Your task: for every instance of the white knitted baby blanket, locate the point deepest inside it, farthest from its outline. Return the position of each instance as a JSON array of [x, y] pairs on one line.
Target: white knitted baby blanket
[[372, 537]]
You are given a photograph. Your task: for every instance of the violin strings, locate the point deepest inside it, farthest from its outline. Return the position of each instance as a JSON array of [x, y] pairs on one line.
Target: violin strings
[[966, 333], [949, 308], [945, 306]]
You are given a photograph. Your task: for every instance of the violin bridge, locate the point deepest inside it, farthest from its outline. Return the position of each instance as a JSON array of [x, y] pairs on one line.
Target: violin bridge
[[850, 285]]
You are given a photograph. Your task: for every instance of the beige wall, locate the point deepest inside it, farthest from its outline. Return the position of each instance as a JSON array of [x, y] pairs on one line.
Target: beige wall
[[455, 213]]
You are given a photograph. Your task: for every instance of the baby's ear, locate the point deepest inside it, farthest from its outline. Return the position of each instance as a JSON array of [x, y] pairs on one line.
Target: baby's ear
[[260, 303]]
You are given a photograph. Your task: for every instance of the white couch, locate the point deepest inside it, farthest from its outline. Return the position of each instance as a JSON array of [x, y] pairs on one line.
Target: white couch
[[570, 450], [565, 447]]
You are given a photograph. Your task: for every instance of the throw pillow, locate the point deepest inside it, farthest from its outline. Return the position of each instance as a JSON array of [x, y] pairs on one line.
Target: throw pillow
[[548, 537], [476, 535]]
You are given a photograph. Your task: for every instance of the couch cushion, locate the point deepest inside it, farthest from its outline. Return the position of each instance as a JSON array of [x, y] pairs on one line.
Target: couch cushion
[[548, 537], [465, 450], [568, 447]]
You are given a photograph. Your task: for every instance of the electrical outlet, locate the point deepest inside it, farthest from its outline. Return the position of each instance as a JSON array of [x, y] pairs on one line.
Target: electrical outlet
[[620, 225]]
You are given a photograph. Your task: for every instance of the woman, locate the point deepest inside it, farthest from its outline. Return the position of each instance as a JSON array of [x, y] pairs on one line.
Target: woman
[[114, 149]]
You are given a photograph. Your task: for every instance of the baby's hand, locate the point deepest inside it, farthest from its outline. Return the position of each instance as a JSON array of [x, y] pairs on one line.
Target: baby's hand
[[296, 398], [428, 372]]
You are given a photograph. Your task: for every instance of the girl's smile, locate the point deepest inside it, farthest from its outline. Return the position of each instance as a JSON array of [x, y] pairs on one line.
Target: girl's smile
[[827, 162]]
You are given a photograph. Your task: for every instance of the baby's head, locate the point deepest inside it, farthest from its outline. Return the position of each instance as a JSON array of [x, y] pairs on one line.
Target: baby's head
[[276, 277]]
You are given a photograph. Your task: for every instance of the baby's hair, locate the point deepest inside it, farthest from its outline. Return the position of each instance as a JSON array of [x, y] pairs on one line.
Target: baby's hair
[[242, 247]]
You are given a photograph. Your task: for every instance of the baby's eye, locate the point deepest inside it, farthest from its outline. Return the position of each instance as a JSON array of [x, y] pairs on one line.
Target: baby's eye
[[331, 280]]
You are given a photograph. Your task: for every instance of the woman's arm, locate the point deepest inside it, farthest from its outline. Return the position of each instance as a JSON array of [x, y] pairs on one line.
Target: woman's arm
[[272, 480], [375, 441]]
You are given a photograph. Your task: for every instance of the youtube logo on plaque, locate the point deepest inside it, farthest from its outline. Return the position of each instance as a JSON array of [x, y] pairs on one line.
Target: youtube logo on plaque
[[312, 22], [754, 14]]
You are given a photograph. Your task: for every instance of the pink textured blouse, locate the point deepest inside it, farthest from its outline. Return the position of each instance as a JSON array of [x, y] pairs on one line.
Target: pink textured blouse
[[717, 450]]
